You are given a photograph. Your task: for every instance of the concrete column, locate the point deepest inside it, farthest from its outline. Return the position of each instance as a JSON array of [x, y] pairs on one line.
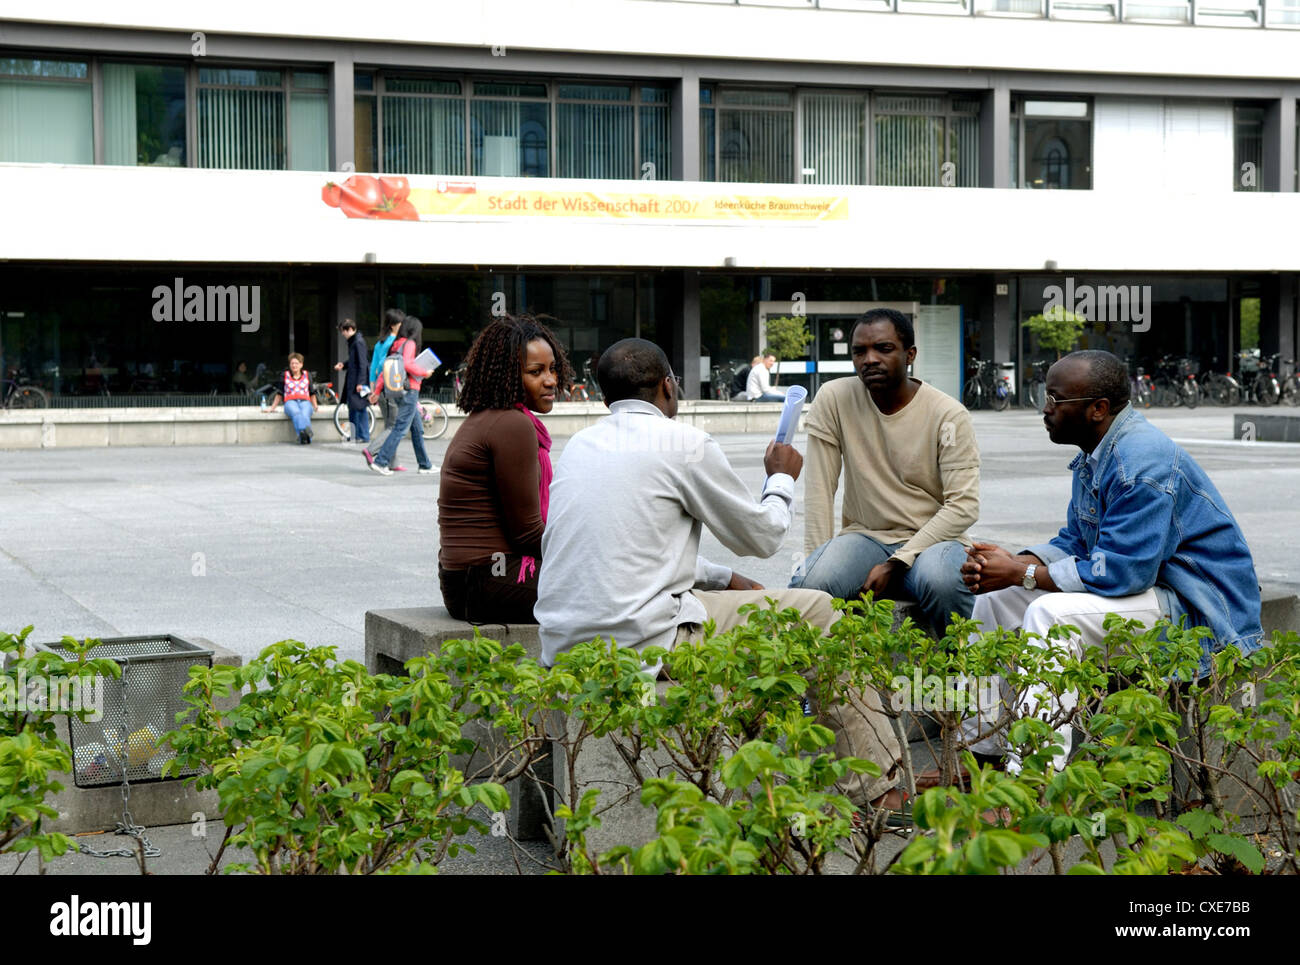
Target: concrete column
[[342, 142], [995, 138], [1279, 159], [686, 129], [685, 355], [1277, 316]]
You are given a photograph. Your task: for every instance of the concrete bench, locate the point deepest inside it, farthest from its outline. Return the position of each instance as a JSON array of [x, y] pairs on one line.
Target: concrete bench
[[396, 636]]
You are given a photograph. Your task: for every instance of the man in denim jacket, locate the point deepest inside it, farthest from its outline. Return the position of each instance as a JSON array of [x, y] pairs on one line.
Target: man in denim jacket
[[1147, 535]]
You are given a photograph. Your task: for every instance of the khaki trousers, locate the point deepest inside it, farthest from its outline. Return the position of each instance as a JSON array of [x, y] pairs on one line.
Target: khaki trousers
[[860, 727]]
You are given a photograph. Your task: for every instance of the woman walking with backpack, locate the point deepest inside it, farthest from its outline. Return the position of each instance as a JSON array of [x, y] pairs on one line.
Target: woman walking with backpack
[[387, 401], [403, 378], [496, 482]]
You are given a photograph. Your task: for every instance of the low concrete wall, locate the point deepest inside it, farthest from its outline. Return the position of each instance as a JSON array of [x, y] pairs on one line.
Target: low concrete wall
[[1267, 426], [248, 425]]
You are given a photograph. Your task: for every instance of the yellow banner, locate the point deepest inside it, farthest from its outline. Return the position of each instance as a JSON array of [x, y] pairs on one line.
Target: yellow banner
[[464, 199]]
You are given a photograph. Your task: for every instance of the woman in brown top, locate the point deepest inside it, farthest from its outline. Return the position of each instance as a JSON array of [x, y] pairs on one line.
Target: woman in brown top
[[496, 474]]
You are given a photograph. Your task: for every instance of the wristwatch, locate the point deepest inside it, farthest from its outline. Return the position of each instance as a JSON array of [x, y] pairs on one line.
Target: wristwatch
[[1029, 583]]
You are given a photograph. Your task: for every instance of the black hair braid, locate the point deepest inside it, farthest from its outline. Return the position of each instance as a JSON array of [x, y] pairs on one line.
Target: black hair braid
[[495, 360]]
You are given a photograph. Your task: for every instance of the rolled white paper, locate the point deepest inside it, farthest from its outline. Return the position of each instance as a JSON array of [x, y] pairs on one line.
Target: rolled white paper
[[794, 399]]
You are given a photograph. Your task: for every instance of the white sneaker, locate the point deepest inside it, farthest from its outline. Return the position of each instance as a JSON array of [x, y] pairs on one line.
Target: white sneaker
[[431, 471], [382, 470]]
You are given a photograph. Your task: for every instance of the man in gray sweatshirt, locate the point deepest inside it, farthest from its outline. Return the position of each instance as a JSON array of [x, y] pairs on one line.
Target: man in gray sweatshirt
[[620, 554]]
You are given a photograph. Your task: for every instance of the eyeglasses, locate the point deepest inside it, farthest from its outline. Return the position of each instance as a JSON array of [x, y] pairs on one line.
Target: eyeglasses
[[678, 380], [1054, 401]]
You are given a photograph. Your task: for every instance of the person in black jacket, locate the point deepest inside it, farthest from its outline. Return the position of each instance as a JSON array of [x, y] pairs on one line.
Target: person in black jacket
[[356, 389]]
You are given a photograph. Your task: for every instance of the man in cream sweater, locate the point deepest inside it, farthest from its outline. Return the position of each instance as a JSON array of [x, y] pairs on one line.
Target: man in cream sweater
[[911, 479]]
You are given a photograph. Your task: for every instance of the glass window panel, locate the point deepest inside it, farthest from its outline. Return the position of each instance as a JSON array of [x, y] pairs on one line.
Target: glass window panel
[[594, 141], [309, 132], [241, 129], [966, 105], [595, 92], [365, 144], [1248, 146], [424, 135], [1056, 108], [23, 67], [909, 104], [708, 158], [240, 77], [510, 138], [363, 80], [43, 121], [311, 79], [657, 95], [964, 150], [495, 89], [144, 115], [832, 138], [1058, 154], [909, 150], [757, 98], [398, 84], [656, 143], [756, 146], [706, 95]]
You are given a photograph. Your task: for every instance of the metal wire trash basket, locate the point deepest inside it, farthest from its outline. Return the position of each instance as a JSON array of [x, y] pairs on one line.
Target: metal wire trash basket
[[138, 709]]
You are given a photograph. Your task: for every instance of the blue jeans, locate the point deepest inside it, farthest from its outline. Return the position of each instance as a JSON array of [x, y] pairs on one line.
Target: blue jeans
[[407, 418], [770, 397], [840, 567], [360, 419], [299, 412]]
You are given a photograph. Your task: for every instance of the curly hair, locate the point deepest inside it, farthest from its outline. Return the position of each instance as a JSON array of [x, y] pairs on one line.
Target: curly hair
[[493, 366]]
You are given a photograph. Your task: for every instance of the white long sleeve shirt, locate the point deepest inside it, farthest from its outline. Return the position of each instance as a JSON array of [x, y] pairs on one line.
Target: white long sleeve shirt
[[621, 548], [759, 382]]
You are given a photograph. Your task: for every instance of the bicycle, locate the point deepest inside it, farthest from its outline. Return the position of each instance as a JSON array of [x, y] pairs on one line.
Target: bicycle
[[325, 394], [1175, 382], [1220, 388], [1142, 388], [1035, 396], [984, 389], [21, 394], [1291, 385], [1264, 387]]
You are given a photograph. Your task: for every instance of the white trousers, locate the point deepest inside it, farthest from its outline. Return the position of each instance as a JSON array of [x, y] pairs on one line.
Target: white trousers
[[1016, 608]]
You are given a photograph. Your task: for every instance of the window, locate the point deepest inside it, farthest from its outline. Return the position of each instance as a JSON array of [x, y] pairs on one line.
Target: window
[[1053, 140], [919, 139], [926, 140], [755, 130], [426, 124], [46, 111], [243, 121], [1248, 146], [833, 138], [144, 115], [510, 130]]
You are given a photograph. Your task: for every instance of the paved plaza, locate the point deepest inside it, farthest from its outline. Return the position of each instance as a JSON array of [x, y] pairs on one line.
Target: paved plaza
[[254, 544]]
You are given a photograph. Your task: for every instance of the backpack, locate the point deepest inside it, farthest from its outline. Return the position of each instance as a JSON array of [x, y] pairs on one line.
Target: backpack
[[740, 382], [394, 369]]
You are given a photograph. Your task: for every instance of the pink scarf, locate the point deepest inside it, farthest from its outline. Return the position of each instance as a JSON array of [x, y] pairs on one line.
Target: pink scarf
[[528, 565]]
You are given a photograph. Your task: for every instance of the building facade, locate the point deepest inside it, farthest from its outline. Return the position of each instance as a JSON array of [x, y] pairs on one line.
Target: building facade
[[186, 190]]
